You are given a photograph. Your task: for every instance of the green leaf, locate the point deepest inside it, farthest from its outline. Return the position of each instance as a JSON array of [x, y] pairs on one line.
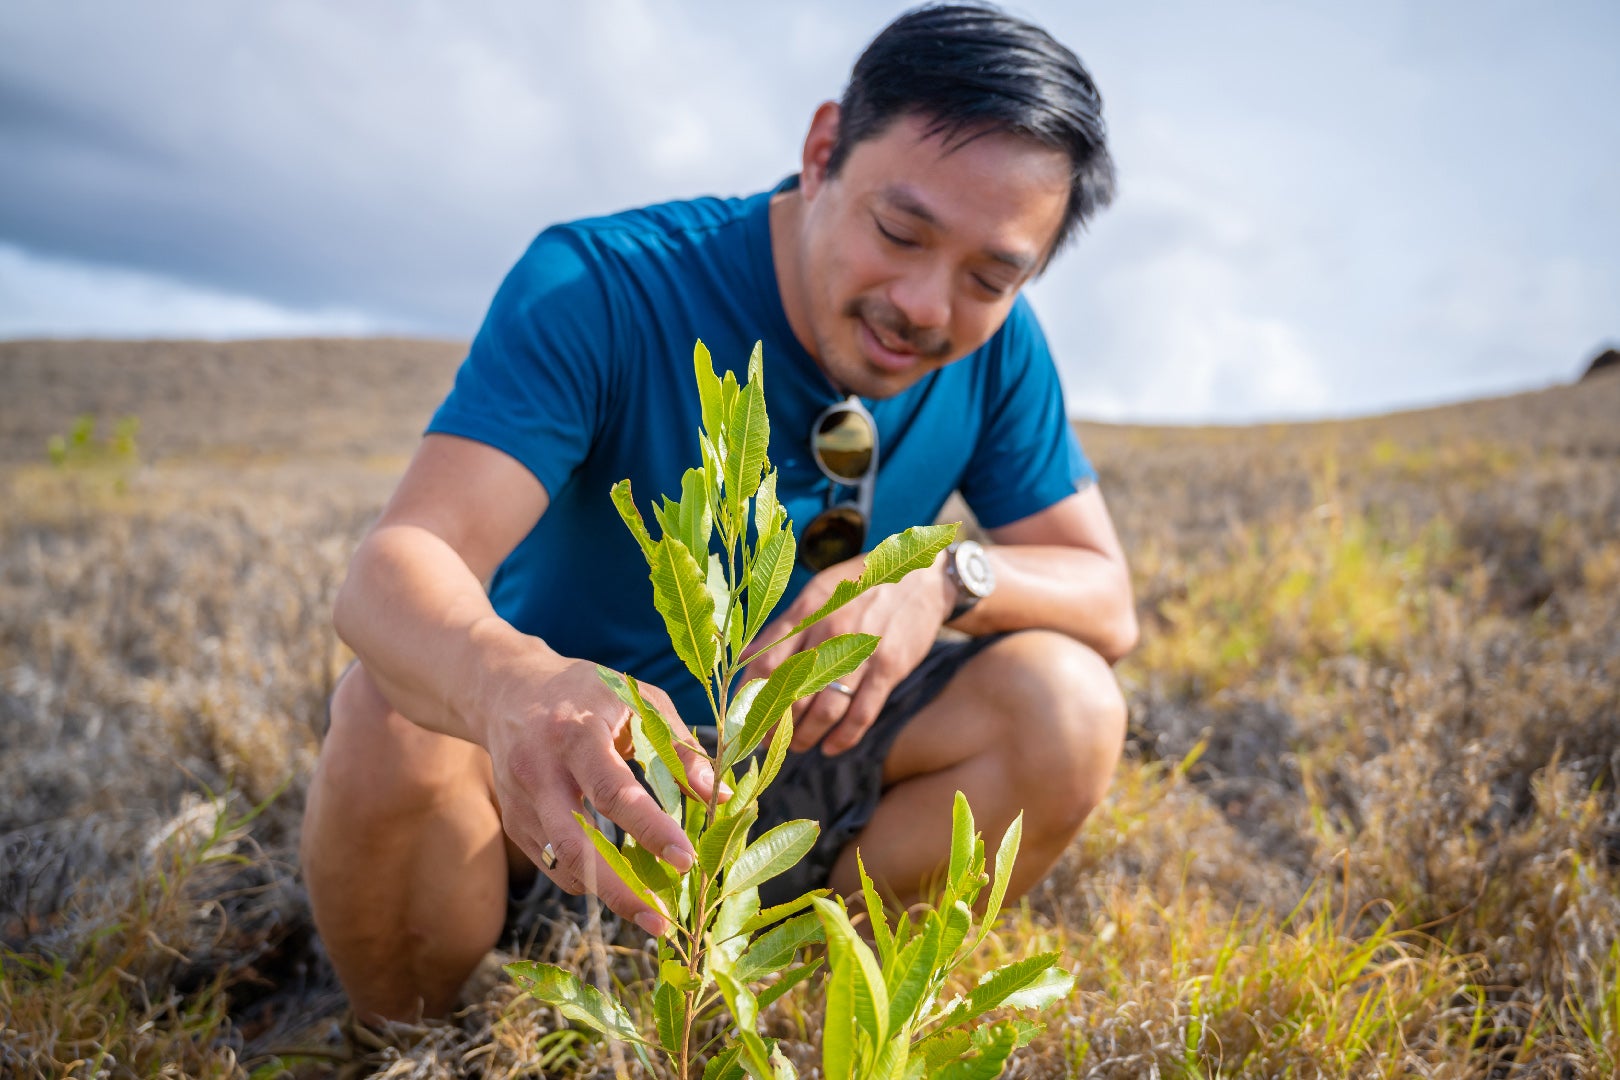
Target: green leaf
[[744, 792], [909, 977], [674, 973], [990, 1058], [961, 843], [576, 1000], [739, 1000], [999, 985], [769, 515], [874, 912], [659, 735], [774, 950], [724, 1065], [1054, 983], [768, 577], [681, 594], [658, 877], [955, 921], [724, 839], [632, 517], [617, 862], [659, 778], [737, 711], [887, 563], [1006, 854], [768, 996], [776, 697], [781, 911], [669, 1015], [777, 754], [719, 591], [838, 1022], [837, 657], [772, 854], [735, 912], [747, 436], [845, 949], [892, 1059], [708, 390], [697, 521], [942, 1047]]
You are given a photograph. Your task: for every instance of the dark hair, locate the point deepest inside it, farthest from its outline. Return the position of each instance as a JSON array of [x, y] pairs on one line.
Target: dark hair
[[972, 68]]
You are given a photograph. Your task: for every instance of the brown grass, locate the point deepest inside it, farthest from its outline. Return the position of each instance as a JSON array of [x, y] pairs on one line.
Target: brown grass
[[1367, 824]]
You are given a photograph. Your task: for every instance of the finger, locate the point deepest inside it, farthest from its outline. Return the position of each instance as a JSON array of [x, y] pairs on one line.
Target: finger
[[822, 712], [869, 699], [604, 779], [580, 868]]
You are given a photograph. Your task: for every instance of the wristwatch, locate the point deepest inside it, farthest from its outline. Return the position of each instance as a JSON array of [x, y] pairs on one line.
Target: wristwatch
[[968, 568]]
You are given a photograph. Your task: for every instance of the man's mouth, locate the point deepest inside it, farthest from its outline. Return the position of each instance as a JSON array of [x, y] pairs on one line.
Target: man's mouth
[[884, 351]]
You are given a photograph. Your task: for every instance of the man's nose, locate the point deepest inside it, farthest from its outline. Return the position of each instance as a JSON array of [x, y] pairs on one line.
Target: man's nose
[[924, 297]]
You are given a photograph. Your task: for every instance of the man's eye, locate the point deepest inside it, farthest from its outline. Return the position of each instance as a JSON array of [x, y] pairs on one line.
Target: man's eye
[[897, 241], [991, 287]]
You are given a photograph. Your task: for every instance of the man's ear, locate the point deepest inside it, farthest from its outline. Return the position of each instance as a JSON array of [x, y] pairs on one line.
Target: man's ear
[[818, 148]]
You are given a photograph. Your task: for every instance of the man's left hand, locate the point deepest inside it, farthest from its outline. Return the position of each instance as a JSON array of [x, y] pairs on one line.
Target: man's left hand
[[906, 615]]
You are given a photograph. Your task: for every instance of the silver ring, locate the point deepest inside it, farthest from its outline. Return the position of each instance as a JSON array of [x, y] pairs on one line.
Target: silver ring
[[548, 857], [841, 688]]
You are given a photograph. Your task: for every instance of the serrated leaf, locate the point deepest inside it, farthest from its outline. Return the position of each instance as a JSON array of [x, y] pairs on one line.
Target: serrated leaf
[[617, 862], [768, 996], [961, 843], [997, 986], [737, 710], [669, 1016], [768, 578], [725, 1066], [658, 877], [775, 698], [697, 521], [988, 1061], [781, 740], [735, 912], [708, 384], [891, 1061], [942, 1047], [745, 792], [1053, 984], [660, 737], [681, 594], [887, 563], [874, 912], [1006, 855], [955, 922], [845, 949], [724, 839], [768, 512], [674, 973], [576, 1000], [626, 504], [781, 911], [837, 657], [773, 853], [748, 434], [909, 976], [775, 949]]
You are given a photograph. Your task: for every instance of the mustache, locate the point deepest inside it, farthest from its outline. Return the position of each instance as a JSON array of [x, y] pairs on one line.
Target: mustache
[[929, 344]]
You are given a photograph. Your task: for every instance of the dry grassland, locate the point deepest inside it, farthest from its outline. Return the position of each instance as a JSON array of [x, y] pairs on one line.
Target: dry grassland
[[1367, 824]]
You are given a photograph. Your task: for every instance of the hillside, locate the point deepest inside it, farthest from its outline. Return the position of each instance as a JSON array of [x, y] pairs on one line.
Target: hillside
[[1367, 824]]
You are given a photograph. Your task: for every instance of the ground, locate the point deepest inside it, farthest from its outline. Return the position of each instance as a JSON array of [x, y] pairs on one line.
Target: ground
[[1367, 823]]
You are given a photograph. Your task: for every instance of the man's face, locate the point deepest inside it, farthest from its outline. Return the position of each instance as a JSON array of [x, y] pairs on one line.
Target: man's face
[[911, 257]]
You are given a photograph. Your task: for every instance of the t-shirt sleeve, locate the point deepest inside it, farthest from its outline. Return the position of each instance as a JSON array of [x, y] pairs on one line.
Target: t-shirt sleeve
[[536, 380], [1027, 457]]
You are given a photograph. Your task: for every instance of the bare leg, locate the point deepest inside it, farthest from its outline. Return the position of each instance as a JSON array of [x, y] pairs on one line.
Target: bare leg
[[1034, 723], [404, 857]]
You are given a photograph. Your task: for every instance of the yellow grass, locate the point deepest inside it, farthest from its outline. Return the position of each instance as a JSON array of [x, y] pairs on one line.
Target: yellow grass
[[1367, 823]]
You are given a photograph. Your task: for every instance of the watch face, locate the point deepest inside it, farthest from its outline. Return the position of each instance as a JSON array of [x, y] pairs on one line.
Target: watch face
[[973, 567]]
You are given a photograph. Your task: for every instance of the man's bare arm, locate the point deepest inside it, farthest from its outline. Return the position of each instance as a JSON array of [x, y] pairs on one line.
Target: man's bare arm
[[1062, 569], [415, 612]]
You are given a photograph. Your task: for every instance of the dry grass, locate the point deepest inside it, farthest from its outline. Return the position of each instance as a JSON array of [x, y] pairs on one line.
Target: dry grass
[[1367, 824]]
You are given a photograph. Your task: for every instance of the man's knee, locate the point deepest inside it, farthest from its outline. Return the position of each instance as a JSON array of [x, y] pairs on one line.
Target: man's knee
[[377, 762], [1064, 717]]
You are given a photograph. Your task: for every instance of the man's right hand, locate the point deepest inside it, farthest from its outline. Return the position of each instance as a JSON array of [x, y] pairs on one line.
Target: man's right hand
[[554, 735]]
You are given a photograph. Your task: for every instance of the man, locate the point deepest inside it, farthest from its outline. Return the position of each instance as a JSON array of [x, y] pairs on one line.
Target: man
[[966, 149]]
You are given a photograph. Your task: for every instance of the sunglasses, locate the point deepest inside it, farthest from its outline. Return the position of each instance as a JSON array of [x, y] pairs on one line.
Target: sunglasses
[[843, 442]]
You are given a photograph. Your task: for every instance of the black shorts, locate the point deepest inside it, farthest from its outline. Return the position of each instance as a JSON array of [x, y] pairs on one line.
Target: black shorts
[[840, 792]]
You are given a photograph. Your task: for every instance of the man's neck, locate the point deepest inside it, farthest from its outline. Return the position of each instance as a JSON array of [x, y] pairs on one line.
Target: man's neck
[[787, 219]]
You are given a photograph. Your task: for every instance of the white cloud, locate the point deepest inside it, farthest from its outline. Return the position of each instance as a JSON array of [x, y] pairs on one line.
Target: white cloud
[[56, 298]]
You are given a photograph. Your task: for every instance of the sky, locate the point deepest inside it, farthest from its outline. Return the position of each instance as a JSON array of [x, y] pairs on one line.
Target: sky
[[1323, 210]]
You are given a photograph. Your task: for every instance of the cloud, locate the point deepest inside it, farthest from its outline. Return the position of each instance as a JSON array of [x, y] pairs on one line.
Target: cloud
[[44, 297]]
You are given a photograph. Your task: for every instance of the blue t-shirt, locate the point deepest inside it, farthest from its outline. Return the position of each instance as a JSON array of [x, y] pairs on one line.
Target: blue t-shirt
[[582, 371]]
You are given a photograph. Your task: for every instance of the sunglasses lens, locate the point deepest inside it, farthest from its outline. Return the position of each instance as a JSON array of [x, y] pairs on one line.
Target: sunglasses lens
[[843, 444], [833, 536]]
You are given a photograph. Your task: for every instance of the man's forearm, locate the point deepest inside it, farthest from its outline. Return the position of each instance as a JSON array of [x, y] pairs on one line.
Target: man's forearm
[[1075, 591], [420, 621]]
